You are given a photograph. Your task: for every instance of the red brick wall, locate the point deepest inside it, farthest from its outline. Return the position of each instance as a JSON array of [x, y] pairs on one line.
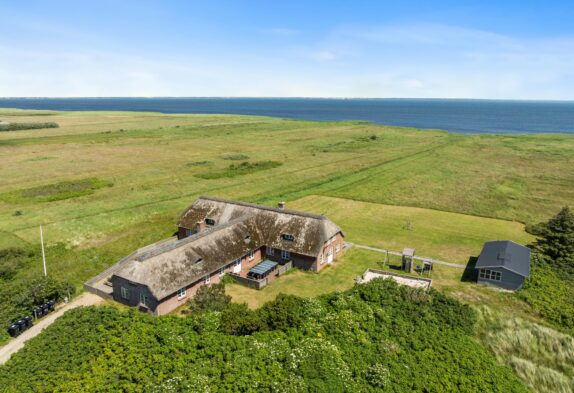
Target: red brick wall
[[172, 302], [338, 241]]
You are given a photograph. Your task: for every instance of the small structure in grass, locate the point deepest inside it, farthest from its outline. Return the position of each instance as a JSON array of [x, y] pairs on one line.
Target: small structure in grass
[[403, 279], [504, 264], [407, 260]]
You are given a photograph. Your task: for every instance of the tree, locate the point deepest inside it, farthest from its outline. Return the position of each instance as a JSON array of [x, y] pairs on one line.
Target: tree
[[239, 320], [210, 297], [556, 240]]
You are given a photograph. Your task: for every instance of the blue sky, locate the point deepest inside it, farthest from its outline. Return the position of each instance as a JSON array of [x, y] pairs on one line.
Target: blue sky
[[439, 49]]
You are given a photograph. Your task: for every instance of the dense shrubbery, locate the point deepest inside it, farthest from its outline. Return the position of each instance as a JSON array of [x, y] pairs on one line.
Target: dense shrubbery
[[374, 337], [244, 168], [27, 126], [555, 244], [210, 297], [19, 296], [56, 191], [550, 288], [551, 296]]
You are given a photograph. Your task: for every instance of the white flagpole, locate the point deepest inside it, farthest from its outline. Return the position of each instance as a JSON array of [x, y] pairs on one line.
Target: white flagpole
[[43, 255]]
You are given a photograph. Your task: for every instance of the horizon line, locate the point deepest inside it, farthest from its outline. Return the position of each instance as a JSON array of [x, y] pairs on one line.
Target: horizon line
[[284, 98]]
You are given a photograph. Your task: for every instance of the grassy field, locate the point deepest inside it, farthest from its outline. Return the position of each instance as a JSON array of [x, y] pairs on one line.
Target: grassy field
[[104, 183], [150, 160], [151, 166]]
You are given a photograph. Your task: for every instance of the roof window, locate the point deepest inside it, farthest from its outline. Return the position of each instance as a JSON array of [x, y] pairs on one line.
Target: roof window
[[288, 237]]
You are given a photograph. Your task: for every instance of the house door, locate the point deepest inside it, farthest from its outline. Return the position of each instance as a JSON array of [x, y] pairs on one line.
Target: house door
[[330, 255], [237, 267]]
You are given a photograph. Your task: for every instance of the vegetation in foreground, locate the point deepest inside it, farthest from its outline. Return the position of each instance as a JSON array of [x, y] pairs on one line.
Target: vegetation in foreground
[[540, 356], [550, 288], [374, 337]]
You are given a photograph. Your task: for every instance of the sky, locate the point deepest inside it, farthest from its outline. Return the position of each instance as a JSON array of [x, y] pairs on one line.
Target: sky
[[389, 49]]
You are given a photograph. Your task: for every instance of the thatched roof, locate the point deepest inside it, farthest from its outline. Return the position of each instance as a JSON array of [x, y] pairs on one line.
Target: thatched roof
[[239, 228]]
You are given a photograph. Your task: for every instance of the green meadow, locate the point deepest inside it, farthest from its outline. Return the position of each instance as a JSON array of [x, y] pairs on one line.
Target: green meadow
[[102, 184]]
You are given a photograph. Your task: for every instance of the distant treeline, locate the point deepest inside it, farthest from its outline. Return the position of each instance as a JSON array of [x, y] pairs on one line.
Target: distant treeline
[[27, 126]]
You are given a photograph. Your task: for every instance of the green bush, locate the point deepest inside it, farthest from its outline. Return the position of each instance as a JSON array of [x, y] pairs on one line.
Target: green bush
[[244, 168], [56, 191], [27, 126], [210, 298], [375, 337]]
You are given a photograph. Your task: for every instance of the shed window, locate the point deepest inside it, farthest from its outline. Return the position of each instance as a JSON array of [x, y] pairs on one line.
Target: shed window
[[285, 254], [144, 299], [490, 274], [270, 251], [288, 237], [181, 293], [125, 293], [209, 221]]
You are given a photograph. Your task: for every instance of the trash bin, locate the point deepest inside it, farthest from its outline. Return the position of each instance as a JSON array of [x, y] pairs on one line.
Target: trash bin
[[21, 324], [14, 330], [28, 321]]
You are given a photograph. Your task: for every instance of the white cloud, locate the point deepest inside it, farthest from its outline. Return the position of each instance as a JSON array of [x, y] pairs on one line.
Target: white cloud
[[400, 61]]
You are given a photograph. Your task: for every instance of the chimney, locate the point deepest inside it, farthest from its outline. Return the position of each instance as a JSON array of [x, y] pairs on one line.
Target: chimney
[[281, 205]]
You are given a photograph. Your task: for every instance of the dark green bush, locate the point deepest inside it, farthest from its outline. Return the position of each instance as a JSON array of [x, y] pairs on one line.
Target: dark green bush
[[210, 297], [27, 126], [375, 337]]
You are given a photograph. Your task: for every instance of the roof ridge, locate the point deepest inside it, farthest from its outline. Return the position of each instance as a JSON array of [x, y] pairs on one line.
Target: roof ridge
[[192, 238], [263, 207]]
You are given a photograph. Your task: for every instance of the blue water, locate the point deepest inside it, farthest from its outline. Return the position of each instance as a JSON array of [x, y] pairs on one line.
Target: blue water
[[467, 116]]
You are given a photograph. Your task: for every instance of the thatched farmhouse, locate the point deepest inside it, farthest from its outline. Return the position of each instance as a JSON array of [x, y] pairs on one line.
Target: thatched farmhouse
[[218, 237]]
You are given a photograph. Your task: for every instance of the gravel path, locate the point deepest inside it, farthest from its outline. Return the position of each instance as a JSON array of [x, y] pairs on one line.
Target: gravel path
[[14, 345]]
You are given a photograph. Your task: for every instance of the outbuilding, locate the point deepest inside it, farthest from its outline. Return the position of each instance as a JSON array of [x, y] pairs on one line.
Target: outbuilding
[[503, 263]]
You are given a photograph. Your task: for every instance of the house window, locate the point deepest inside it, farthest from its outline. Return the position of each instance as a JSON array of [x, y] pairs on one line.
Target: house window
[[338, 247], [181, 293], [209, 221], [237, 262], [207, 279], [288, 237], [285, 254], [144, 299], [251, 255], [270, 251], [188, 232], [490, 274], [125, 293], [221, 272], [322, 259]]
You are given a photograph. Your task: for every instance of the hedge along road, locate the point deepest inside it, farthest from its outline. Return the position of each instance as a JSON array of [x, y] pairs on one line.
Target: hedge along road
[[14, 345]]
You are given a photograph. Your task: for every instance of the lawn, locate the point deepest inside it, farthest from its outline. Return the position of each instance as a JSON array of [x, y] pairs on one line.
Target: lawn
[[153, 161], [447, 236], [432, 233]]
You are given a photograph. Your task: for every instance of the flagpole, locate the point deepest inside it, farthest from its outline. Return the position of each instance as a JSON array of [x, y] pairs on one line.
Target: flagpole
[[43, 255]]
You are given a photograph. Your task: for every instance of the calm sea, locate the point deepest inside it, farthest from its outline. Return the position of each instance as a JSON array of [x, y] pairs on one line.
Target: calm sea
[[467, 116]]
